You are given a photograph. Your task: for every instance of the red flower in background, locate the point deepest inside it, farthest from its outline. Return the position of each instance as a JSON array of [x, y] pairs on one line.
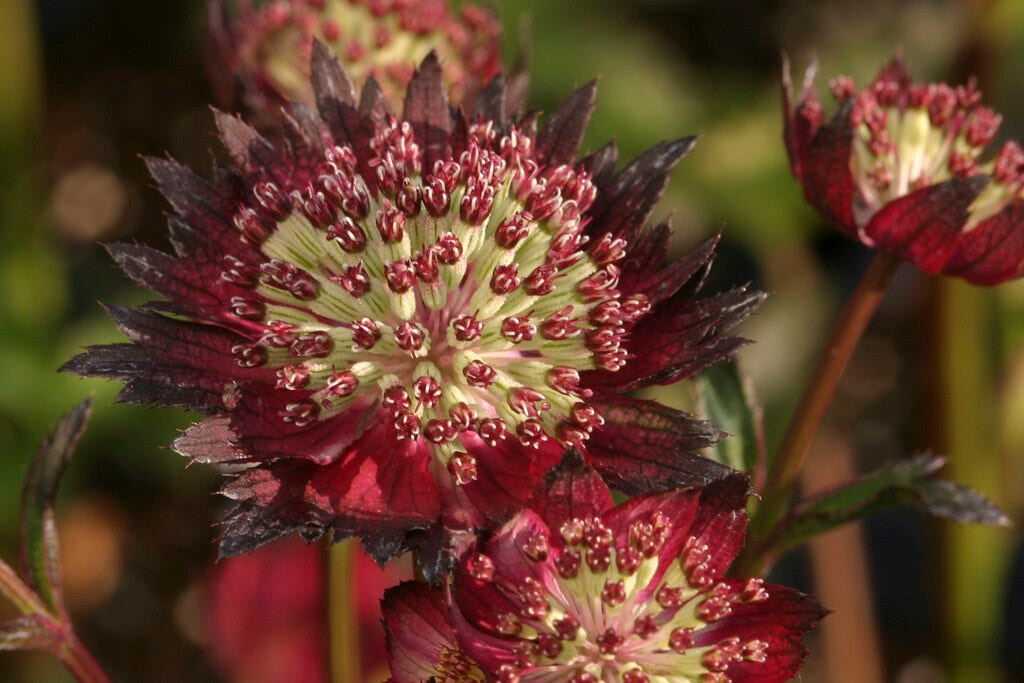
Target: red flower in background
[[265, 51], [578, 589], [899, 167], [401, 322], [265, 615]]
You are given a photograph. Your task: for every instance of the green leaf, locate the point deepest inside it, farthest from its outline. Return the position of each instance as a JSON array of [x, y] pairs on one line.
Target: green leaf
[[909, 482], [31, 632], [725, 397], [39, 549]]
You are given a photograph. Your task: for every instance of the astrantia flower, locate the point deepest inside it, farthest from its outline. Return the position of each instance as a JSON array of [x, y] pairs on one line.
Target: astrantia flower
[[900, 168], [403, 321], [266, 50], [575, 589], [420, 639]]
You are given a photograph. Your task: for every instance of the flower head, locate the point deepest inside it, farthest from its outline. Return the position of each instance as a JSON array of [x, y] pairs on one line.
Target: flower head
[[403, 321], [266, 50], [577, 589], [900, 168]]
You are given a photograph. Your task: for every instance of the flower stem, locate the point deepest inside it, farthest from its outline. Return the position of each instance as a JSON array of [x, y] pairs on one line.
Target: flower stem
[[80, 661], [70, 650], [785, 468], [20, 595], [343, 628]]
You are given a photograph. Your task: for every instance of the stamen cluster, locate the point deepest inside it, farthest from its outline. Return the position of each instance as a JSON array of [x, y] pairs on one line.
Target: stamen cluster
[[647, 616], [458, 297]]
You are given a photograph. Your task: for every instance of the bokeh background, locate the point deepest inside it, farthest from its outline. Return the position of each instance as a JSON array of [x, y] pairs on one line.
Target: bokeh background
[[86, 86]]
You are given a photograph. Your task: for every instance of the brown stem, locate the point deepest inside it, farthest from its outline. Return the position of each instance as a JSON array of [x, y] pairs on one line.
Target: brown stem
[[785, 468]]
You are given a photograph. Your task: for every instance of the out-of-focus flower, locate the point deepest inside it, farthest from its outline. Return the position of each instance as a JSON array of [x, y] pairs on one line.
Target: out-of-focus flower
[[899, 168], [403, 321], [421, 643], [577, 589], [264, 52], [265, 613]]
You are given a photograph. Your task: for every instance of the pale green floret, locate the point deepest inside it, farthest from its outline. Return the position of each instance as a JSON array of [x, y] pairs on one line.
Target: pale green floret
[[990, 201], [917, 153], [329, 303]]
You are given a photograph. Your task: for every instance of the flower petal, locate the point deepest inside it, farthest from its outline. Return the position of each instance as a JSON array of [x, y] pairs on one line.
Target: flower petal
[[993, 251], [420, 639], [623, 207], [172, 364], [779, 621], [560, 137], [571, 490], [825, 172], [645, 446], [679, 339], [426, 108], [377, 490], [925, 227]]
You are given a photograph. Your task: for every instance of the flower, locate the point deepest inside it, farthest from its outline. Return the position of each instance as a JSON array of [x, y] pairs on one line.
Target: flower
[[282, 636], [578, 589], [265, 51], [420, 639], [899, 168], [400, 323]]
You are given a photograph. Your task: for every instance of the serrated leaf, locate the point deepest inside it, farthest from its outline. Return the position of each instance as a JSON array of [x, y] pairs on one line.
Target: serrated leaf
[[909, 482], [31, 632], [40, 555], [727, 400]]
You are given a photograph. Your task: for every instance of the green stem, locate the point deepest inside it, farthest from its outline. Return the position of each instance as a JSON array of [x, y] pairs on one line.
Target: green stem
[[343, 626], [975, 558], [785, 468]]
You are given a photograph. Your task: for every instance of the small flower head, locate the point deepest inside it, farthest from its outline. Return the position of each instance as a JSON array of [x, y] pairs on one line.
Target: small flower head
[[901, 166], [403, 321], [576, 589], [268, 47]]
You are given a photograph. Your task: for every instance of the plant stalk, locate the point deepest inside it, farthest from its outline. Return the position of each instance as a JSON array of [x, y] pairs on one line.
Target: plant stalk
[[79, 661], [343, 624], [784, 470], [20, 595]]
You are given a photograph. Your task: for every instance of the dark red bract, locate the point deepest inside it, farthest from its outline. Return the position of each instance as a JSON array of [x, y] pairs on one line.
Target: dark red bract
[[898, 167], [401, 322]]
